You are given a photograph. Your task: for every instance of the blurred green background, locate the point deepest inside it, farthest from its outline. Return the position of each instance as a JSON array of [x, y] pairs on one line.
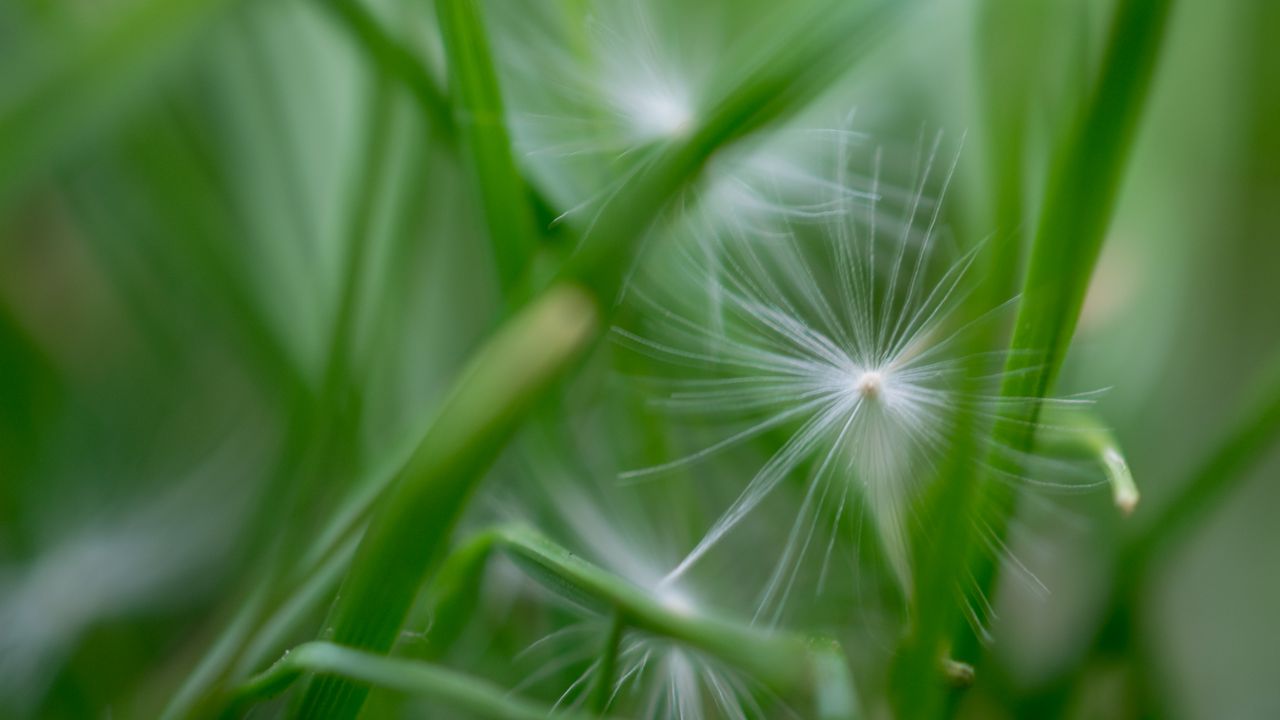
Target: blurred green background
[[201, 199]]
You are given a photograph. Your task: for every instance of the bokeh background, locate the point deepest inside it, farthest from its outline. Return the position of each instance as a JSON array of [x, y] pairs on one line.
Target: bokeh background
[[177, 211]]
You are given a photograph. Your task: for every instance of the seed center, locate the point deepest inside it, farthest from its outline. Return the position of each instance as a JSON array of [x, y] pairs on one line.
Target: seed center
[[870, 384]]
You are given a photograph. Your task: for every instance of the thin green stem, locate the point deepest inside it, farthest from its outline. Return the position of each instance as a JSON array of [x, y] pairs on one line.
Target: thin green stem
[[1081, 432], [603, 690], [481, 122], [1256, 431], [787, 663], [414, 677], [394, 58], [408, 534], [191, 696], [368, 188], [1006, 75], [780, 661], [1082, 193]]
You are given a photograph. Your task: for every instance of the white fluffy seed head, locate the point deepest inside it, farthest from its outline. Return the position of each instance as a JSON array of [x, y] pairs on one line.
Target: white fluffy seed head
[[843, 334], [839, 330], [660, 111], [585, 120]]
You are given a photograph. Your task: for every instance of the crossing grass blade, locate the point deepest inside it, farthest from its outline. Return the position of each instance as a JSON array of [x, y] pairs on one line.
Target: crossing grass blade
[[789, 664], [1080, 197], [449, 687]]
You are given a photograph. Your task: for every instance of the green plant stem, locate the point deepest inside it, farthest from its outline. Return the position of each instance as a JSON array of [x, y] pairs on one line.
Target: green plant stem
[[779, 661], [481, 123], [603, 690], [786, 663], [1256, 430], [1006, 74], [332, 426], [403, 63], [193, 693], [835, 696], [408, 676], [1082, 193], [369, 186], [1079, 431], [321, 439], [394, 58], [304, 604], [407, 536]]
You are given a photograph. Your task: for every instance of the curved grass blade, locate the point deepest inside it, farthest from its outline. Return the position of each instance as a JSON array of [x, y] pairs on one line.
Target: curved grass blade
[[1084, 432], [407, 535], [464, 692], [787, 663]]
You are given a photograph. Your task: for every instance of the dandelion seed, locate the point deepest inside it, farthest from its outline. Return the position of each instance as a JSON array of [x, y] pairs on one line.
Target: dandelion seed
[[585, 120], [848, 335]]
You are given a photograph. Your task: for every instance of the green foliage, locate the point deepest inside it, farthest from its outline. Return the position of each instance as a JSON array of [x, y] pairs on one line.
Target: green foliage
[[303, 353]]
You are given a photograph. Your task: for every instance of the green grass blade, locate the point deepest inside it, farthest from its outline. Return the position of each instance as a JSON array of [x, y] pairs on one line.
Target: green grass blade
[[358, 237], [406, 538], [1081, 195], [1254, 433], [502, 193], [1007, 77], [408, 533], [787, 663], [463, 692], [188, 701], [603, 690], [778, 660], [394, 58]]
